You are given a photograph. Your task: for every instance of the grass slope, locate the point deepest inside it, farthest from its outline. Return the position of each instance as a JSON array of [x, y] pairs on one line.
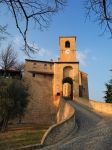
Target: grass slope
[[21, 135]]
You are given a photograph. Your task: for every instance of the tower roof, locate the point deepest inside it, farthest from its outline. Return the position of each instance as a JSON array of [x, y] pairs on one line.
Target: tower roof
[[67, 37]]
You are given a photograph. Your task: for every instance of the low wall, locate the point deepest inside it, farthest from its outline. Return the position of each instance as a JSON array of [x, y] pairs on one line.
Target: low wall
[[65, 110], [101, 107], [65, 125]]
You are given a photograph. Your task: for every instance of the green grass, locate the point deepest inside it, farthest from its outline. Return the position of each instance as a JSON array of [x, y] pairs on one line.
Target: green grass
[[21, 135]]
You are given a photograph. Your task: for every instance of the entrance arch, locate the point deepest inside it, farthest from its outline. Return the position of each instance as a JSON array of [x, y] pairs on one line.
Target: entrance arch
[[68, 87]]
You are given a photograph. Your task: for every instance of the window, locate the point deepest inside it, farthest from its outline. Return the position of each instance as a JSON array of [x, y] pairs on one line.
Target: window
[[34, 63], [45, 66], [67, 44], [50, 66], [33, 74], [58, 94]]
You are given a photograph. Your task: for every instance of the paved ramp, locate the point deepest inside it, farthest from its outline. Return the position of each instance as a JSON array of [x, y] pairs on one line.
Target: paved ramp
[[84, 118], [94, 132]]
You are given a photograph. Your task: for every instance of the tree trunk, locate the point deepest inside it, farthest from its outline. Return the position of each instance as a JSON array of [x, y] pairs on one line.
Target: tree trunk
[[5, 123]]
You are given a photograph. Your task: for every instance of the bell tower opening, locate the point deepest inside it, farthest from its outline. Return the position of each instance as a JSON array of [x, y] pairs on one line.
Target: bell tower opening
[[67, 44]]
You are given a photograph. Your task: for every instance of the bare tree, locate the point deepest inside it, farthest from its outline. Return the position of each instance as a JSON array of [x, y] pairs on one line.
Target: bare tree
[[20, 66], [38, 11], [3, 32], [102, 11], [8, 58]]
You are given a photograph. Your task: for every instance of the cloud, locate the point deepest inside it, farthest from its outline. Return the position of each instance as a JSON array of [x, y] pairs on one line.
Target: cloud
[[44, 54], [17, 41], [86, 57], [41, 53], [82, 57]]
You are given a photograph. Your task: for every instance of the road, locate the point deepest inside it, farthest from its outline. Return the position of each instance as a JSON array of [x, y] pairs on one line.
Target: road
[[94, 132]]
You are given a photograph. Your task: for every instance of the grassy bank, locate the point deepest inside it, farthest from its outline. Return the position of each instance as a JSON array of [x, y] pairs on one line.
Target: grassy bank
[[21, 135]]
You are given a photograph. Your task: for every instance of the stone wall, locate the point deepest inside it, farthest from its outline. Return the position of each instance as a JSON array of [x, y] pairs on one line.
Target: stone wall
[[65, 126], [100, 107], [39, 76], [83, 85], [38, 66], [65, 110], [40, 109], [85, 93]]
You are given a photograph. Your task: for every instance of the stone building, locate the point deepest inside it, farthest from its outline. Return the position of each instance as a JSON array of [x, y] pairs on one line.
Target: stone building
[[49, 80]]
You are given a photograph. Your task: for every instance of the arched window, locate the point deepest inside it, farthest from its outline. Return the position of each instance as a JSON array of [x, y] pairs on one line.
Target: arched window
[[67, 44]]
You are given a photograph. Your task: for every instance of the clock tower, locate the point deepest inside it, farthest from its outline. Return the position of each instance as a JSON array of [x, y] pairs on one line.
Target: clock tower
[[67, 49]]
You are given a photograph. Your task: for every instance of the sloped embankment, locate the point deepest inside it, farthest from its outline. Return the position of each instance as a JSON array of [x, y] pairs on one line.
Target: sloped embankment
[[64, 127]]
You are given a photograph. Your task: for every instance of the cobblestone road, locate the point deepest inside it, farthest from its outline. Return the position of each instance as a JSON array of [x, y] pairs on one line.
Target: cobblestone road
[[94, 132], [85, 119]]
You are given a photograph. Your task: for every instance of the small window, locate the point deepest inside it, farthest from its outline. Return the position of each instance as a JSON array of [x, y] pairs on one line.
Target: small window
[[33, 74], [67, 44], [50, 66], [34, 63], [58, 94], [45, 66]]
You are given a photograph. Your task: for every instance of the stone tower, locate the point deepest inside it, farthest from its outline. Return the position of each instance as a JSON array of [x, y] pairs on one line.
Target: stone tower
[[66, 70], [67, 49]]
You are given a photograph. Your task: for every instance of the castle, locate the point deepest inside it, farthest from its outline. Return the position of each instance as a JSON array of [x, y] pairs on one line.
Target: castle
[[49, 80]]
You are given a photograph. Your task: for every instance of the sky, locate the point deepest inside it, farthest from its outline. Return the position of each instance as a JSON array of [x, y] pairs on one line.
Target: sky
[[94, 51]]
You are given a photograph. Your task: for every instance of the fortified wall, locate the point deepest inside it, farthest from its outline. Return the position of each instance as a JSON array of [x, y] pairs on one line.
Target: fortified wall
[[39, 77]]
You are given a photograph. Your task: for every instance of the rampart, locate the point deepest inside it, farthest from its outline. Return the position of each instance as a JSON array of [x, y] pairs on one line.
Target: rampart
[[98, 107], [65, 124]]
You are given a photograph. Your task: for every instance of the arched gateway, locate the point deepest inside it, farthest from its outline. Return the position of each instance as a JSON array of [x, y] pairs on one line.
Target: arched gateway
[[67, 81], [68, 87]]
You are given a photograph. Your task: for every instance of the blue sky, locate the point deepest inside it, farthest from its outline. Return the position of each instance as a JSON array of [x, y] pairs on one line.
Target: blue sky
[[94, 51]]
